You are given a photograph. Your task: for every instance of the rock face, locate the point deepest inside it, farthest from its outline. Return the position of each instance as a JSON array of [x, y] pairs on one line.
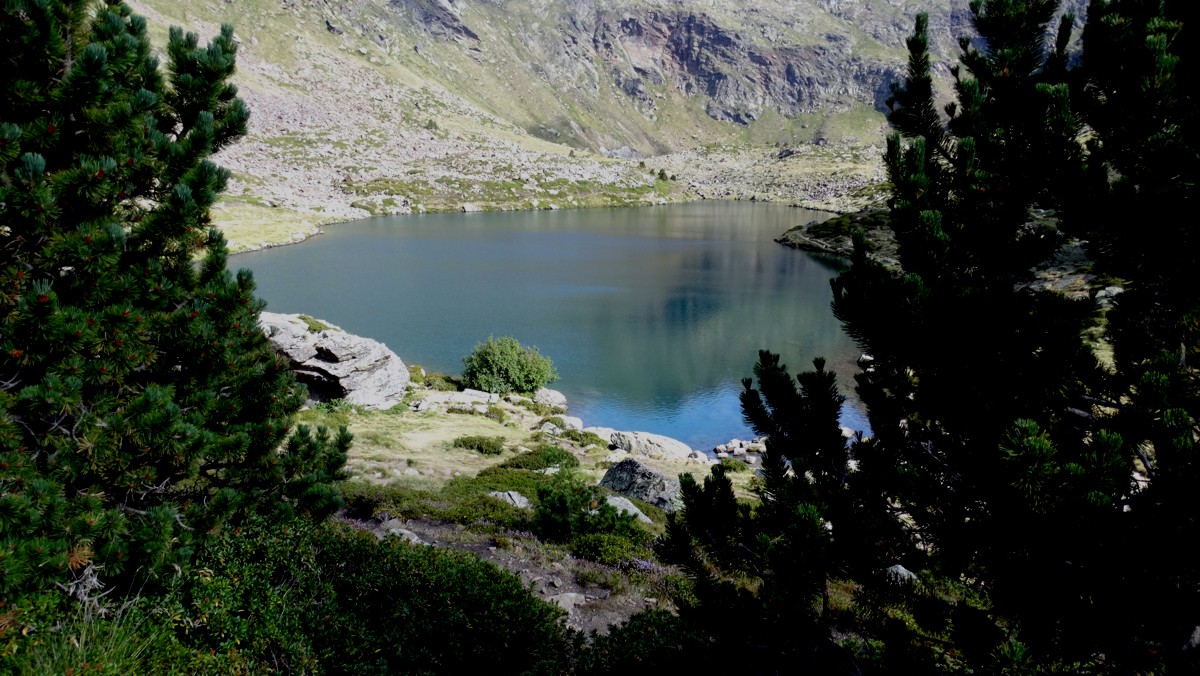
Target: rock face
[[338, 365], [633, 479]]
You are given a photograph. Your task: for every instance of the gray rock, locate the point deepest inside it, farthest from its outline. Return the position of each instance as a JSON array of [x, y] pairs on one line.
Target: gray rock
[[568, 601], [511, 497], [338, 365], [394, 527], [632, 478], [900, 574], [550, 428], [624, 506], [548, 397], [572, 422], [654, 446]]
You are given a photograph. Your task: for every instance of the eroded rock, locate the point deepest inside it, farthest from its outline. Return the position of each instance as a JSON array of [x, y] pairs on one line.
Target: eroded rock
[[338, 365]]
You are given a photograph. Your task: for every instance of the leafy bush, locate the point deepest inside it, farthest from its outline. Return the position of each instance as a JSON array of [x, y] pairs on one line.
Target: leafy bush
[[542, 457], [503, 365], [483, 444]]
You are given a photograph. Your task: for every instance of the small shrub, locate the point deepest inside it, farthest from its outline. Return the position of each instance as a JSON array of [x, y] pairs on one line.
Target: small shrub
[[541, 458], [607, 548], [662, 174], [585, 438], [335, 406], [485, 445], [732, 465], [540, 409], [502, 365], [441, 382], [553, 420], [496, 413]]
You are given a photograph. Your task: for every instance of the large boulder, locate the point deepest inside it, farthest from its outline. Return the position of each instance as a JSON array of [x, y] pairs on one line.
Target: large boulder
[[653, 446], [633, 479], [548, 397], [338, 365]]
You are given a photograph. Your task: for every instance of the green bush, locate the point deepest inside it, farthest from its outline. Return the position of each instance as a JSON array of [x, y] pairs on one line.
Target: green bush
[[542, 457], [650, 642], [485, 445], [585, 438], [608, 548], [539, 409], [330, 599], [502, 365], [441, 382], [732, 465], [568, 509]]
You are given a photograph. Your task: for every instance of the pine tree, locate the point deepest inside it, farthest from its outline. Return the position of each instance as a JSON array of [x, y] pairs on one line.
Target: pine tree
[[982, 393], [995, 431], [1140, 67], [141, 407]]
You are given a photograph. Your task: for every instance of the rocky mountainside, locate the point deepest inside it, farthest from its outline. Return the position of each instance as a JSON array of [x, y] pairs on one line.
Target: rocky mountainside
[[396, 106]]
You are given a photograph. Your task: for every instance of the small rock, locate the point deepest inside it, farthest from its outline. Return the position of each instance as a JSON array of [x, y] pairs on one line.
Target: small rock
[[548, 397], [511, 497], [568, 601], [624, 506]]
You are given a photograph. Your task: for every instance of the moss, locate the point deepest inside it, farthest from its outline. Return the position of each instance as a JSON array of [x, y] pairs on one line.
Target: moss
[[316, 325]]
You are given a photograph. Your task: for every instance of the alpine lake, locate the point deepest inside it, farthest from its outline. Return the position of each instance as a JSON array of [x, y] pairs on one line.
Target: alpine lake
[[651, 315]]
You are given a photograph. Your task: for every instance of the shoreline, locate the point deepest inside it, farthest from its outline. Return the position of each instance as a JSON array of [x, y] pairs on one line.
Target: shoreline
[[319, 228]]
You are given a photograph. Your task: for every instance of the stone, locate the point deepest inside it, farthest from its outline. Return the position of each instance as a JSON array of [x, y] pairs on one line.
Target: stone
[[633, 479], [550, 428], [900, 574], [624, 506], [548, 397], [568, 601], [394, 527], [572, 422], [654, 446], [469, 208], [338, 365], [511, 497]]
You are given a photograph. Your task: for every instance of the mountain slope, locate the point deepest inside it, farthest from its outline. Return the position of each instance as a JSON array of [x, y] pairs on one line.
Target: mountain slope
[[371, 106]]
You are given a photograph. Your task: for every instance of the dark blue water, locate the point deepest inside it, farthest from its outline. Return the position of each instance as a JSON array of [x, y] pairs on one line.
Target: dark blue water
[[651, 315]]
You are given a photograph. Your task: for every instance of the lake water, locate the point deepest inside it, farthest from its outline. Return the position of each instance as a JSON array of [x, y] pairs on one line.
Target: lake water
[[652, 315]]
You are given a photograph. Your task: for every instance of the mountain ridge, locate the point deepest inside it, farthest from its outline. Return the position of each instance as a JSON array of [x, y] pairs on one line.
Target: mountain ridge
[[405, 106]]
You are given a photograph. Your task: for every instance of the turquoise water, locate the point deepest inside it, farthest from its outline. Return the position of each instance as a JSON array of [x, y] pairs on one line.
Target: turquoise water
[[652, 315]]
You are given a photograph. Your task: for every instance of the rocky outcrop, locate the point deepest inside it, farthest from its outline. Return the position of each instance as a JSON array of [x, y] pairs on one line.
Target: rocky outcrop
[[337, 365], [633, 479]]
